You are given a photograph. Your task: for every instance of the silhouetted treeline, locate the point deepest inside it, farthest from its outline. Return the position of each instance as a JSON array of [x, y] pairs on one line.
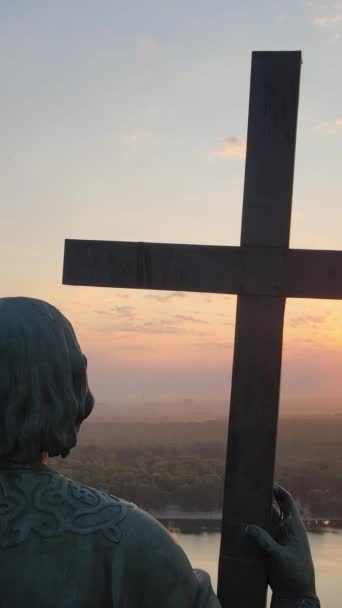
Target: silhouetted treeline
[[156, 466]]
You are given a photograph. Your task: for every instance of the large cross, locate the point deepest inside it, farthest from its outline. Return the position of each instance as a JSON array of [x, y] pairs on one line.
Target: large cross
[[263, 271]]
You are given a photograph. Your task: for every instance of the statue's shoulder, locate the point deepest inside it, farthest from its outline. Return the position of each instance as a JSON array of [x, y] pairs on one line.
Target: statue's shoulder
[[167, 575], [90, 509], [149, 531], [160, 548], [50, 504]]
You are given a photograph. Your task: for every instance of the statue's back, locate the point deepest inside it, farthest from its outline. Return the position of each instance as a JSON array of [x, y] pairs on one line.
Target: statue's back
[[65, 545], [61, 543]]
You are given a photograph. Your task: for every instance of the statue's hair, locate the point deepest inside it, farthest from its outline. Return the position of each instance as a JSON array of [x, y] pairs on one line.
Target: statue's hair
[[44, 394]]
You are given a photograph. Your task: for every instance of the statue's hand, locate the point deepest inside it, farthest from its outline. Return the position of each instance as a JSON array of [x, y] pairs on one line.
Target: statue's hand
[[290, 568]]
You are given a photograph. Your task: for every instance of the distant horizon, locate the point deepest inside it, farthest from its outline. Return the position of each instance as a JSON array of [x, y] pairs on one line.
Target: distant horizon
[[208, 399], [204, 410]]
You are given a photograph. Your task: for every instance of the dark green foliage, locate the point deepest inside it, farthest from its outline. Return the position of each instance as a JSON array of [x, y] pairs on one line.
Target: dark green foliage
[[152, 477], [162, 465]]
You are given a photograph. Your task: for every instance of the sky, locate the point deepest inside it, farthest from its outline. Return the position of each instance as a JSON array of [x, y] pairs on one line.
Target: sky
[[127, 120]]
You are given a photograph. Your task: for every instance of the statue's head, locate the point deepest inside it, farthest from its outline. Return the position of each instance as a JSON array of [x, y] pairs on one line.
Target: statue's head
[[44, 394]]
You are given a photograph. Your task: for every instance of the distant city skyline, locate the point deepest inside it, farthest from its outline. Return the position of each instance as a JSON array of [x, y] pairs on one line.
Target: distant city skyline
[[128, 122]]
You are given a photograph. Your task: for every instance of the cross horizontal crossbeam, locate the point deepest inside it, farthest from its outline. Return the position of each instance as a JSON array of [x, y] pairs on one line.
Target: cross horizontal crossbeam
[[271, 271]]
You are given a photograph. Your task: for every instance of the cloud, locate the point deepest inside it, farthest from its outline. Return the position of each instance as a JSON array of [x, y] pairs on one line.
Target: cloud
[[328, 128], [125, 311], [167, 297], [122, 319], [307, 320], [325, 128], [151, 327], [161, 327], [232, 148], [189, 318], [121, 311], [328, 21]]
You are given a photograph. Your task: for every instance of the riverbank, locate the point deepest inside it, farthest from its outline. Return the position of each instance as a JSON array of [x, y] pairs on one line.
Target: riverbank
[[173, 513], [215, 517]]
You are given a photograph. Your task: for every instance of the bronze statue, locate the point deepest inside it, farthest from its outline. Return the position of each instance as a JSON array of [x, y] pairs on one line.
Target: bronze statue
[[66, 545]]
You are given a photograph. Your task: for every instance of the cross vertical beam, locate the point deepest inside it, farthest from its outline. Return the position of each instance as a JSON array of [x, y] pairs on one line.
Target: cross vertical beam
[[266, 217]]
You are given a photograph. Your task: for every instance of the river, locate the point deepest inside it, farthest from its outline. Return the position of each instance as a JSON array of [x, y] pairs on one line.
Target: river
[[202, 550]]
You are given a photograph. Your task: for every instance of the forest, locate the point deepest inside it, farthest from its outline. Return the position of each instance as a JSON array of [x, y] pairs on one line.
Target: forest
[[163, 465]]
